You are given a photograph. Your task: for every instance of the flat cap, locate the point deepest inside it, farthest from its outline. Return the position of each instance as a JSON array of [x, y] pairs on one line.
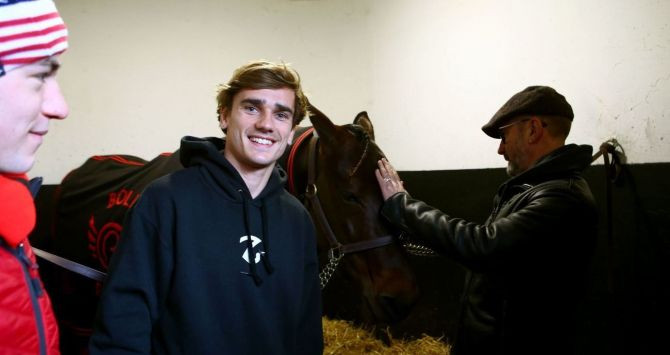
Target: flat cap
[[533, 100]]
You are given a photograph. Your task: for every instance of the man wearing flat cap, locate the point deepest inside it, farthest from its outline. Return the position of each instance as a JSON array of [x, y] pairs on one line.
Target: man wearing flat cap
[[527, 263], [32, 35]]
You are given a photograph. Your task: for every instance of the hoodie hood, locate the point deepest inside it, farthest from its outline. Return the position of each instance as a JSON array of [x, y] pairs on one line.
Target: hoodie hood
[[207, 153]]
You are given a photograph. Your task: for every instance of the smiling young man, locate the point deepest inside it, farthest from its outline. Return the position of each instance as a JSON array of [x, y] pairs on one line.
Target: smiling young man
[[32, 35], [527, 263], [259, 126], [219, 258]]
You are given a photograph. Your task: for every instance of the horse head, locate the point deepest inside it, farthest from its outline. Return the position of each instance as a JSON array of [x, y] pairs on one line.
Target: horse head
[[371, 257]]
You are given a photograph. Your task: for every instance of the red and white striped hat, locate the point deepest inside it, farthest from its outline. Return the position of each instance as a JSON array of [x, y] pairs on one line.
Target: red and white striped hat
[[30, 30]]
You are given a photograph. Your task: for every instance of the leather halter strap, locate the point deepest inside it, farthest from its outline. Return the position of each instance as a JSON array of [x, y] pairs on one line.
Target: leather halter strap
[[320, 216]]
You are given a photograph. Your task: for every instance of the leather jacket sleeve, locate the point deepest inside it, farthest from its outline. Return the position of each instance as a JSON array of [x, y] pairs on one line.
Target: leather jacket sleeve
[[537, 220]]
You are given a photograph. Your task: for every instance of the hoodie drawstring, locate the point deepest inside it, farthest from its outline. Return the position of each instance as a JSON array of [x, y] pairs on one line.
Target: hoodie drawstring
[[266, 247], [266, 240], [250, 246]]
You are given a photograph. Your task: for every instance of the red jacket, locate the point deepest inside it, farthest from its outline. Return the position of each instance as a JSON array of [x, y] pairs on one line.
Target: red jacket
[[27, 322]]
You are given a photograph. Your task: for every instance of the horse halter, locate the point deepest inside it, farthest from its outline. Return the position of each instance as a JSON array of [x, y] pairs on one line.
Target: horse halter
[[337, 250]]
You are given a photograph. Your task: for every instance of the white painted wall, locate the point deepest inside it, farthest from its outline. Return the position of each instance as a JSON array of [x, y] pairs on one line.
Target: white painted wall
[[443, 68], [140, 74]]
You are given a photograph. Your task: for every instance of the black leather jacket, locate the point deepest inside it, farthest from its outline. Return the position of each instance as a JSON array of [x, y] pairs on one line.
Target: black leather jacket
[[527, 262]]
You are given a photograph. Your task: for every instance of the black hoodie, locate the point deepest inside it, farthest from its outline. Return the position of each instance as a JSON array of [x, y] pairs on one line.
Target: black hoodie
[[180, 281]]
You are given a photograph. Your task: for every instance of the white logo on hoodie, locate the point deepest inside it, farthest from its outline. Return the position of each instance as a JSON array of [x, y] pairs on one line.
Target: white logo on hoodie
[[254, 241]]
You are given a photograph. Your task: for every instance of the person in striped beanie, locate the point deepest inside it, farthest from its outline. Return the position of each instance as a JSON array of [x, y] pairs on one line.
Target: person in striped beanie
[[32, 36]]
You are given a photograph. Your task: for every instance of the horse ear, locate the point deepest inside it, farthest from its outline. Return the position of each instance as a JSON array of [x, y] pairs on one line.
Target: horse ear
[[322, 124], [363, 120]]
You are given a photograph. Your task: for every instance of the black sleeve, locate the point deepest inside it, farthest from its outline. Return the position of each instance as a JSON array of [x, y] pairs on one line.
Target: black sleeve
[[478, 246]]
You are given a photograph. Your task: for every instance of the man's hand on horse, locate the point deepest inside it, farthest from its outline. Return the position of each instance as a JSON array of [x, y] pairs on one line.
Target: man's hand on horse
[[388, 179]]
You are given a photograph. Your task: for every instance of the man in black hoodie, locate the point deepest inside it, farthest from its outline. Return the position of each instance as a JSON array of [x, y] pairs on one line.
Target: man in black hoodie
[[218, 258], [528, 261]]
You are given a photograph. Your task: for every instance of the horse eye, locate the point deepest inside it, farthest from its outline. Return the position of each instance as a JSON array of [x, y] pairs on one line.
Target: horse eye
[[352, 198]]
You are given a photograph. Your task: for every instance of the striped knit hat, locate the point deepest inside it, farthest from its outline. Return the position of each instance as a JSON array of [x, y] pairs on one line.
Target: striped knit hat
[[30, 30]]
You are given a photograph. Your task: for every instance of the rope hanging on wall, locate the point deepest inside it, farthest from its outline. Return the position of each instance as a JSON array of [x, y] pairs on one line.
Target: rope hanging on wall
[[614, 158]]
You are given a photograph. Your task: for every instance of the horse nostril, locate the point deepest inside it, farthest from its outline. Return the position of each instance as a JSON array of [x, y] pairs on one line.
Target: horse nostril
[[395, 309]]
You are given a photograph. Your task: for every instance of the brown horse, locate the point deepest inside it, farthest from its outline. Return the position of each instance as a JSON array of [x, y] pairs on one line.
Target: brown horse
[[340, 192], [344, 200]]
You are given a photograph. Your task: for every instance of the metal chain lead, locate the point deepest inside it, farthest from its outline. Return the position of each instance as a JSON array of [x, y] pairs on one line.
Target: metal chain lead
[[329, 270], [415, 249], [335, 254]]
